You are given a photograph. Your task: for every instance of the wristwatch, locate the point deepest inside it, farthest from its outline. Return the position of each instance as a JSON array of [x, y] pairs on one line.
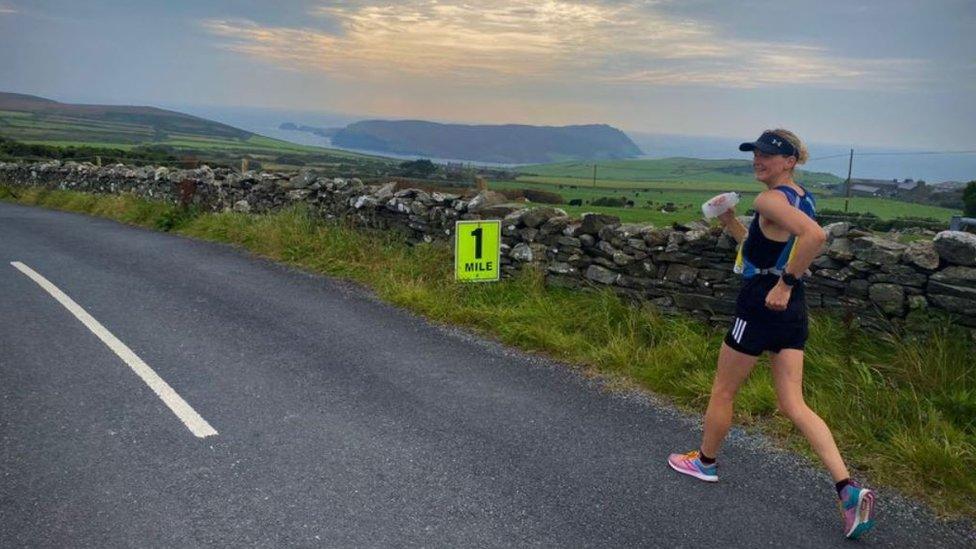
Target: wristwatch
[[789, 279]]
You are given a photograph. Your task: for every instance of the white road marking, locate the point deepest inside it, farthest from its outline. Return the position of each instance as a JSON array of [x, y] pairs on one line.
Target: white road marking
[[193, 421]]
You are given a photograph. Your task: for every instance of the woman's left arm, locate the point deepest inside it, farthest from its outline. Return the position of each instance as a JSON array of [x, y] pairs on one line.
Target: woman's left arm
[[810, 239]]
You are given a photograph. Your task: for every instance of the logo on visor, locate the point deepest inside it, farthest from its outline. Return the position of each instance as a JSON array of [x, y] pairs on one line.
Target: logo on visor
[[777, 142]]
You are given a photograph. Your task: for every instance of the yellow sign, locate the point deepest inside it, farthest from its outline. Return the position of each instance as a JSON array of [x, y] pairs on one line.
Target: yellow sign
[[477, 250]]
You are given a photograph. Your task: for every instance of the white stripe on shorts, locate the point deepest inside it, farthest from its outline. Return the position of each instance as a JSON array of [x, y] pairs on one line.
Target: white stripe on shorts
[[739, 330]]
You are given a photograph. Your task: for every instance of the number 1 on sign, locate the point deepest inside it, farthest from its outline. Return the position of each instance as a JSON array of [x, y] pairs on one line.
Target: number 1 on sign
[[477, 242]]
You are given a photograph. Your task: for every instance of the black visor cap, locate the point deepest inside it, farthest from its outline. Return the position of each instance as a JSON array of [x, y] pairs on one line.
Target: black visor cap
[[770, 143]]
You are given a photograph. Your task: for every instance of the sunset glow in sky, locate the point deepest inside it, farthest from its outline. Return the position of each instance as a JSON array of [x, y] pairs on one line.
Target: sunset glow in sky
[[894, 72]]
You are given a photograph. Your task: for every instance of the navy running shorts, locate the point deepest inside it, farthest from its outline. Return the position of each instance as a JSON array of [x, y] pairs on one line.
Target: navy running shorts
[[752, 337]]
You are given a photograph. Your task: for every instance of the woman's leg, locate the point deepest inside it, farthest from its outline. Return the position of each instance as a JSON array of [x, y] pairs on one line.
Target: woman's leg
[[788, 378], [733, 369]]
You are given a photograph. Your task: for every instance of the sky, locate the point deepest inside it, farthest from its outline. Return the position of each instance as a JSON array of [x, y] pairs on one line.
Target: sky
[[891, 73]]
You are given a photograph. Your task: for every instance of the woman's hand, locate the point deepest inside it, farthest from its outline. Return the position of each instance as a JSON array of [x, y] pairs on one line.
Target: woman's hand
[[732, 225], [728, 216], [779, 297]]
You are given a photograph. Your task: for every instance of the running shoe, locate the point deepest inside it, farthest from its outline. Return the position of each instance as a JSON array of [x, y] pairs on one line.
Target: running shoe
[[857, 506], [690, 464]]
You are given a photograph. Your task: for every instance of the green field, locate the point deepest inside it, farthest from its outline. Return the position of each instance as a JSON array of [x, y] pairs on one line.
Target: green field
[[667, 170], [688, 199], [15, 114], [888, 209], [123, 146], [699, 185]]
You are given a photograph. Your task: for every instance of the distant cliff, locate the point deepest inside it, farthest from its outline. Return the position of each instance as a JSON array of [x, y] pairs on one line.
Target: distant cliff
[[508, 144], [321, 132]]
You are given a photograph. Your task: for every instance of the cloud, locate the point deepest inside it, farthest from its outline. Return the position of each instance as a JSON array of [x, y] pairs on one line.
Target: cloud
[[7, 9], [555, 41]]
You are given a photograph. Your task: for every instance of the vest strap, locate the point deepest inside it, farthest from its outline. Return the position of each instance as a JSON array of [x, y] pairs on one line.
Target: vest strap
[[778, 272]]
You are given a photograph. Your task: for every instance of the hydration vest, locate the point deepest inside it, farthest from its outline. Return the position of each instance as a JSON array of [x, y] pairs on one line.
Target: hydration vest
[[805, 204]]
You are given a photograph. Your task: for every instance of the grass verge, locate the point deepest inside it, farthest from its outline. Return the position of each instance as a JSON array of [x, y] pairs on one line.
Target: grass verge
[[902, 406]]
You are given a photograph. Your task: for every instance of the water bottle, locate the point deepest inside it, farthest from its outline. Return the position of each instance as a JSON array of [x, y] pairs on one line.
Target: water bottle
[[718, 205]]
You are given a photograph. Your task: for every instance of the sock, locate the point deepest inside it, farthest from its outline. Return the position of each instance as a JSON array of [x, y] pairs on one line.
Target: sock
[[841, 485], [705, 459]]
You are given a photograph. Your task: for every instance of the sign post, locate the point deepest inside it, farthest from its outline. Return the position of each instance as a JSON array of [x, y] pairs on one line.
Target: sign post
[[477, 250]]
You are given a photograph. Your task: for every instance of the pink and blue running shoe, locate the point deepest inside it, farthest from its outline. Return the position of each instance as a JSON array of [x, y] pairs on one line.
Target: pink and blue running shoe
[[857, 506], [690, 464]]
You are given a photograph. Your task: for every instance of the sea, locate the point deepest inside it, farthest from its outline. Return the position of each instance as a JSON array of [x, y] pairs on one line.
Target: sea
[[870, 162]]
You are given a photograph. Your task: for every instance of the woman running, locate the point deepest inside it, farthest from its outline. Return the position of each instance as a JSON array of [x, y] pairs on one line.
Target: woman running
[[771, 315]]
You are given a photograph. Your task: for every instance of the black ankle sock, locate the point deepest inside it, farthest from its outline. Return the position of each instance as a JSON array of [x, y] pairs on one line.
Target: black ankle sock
[[841, 485], [705, 459]]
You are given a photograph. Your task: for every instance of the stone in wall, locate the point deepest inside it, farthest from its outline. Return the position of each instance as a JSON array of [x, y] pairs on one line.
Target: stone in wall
[[840, 249], [705, 303], [521, 252], [591, 223], [602, 275], [889, 297], [837, 230], [956, 247], [922, 253], [877, 251], [954, 289], [485, 199], [556, 227], [535, 217], [682, 274], [902, 275]]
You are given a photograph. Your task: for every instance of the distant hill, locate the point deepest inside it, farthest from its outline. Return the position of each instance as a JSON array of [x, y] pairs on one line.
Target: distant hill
[[147, 131], [504, 144], [327, 133], [31, 118]]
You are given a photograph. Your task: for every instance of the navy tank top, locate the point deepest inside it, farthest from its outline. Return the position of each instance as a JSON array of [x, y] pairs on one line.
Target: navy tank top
[[761, 262]]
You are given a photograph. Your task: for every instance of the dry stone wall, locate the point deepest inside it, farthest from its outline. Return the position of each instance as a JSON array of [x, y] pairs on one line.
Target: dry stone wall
[[685, 267]]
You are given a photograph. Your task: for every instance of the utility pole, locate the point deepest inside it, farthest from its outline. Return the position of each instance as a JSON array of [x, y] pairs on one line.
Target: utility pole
[[848, 311], [850, 167], [594, 176]]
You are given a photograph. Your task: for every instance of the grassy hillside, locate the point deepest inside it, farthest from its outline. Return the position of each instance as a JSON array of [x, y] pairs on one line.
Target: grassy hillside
[[35, 120], [30, 118]]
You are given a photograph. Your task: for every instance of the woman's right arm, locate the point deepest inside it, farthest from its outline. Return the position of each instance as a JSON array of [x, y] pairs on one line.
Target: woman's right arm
[[733, 226]]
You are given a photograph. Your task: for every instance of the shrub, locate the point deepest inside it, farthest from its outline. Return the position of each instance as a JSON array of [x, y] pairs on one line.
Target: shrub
[[512, 194], [543, 197], [969, 199], [422, 168], [611, 201]]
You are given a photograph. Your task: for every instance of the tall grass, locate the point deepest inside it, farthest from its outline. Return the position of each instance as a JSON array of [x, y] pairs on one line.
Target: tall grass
[[902, 405]]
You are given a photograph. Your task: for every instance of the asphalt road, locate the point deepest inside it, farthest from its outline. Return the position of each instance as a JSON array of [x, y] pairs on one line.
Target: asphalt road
[[341, 421]]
